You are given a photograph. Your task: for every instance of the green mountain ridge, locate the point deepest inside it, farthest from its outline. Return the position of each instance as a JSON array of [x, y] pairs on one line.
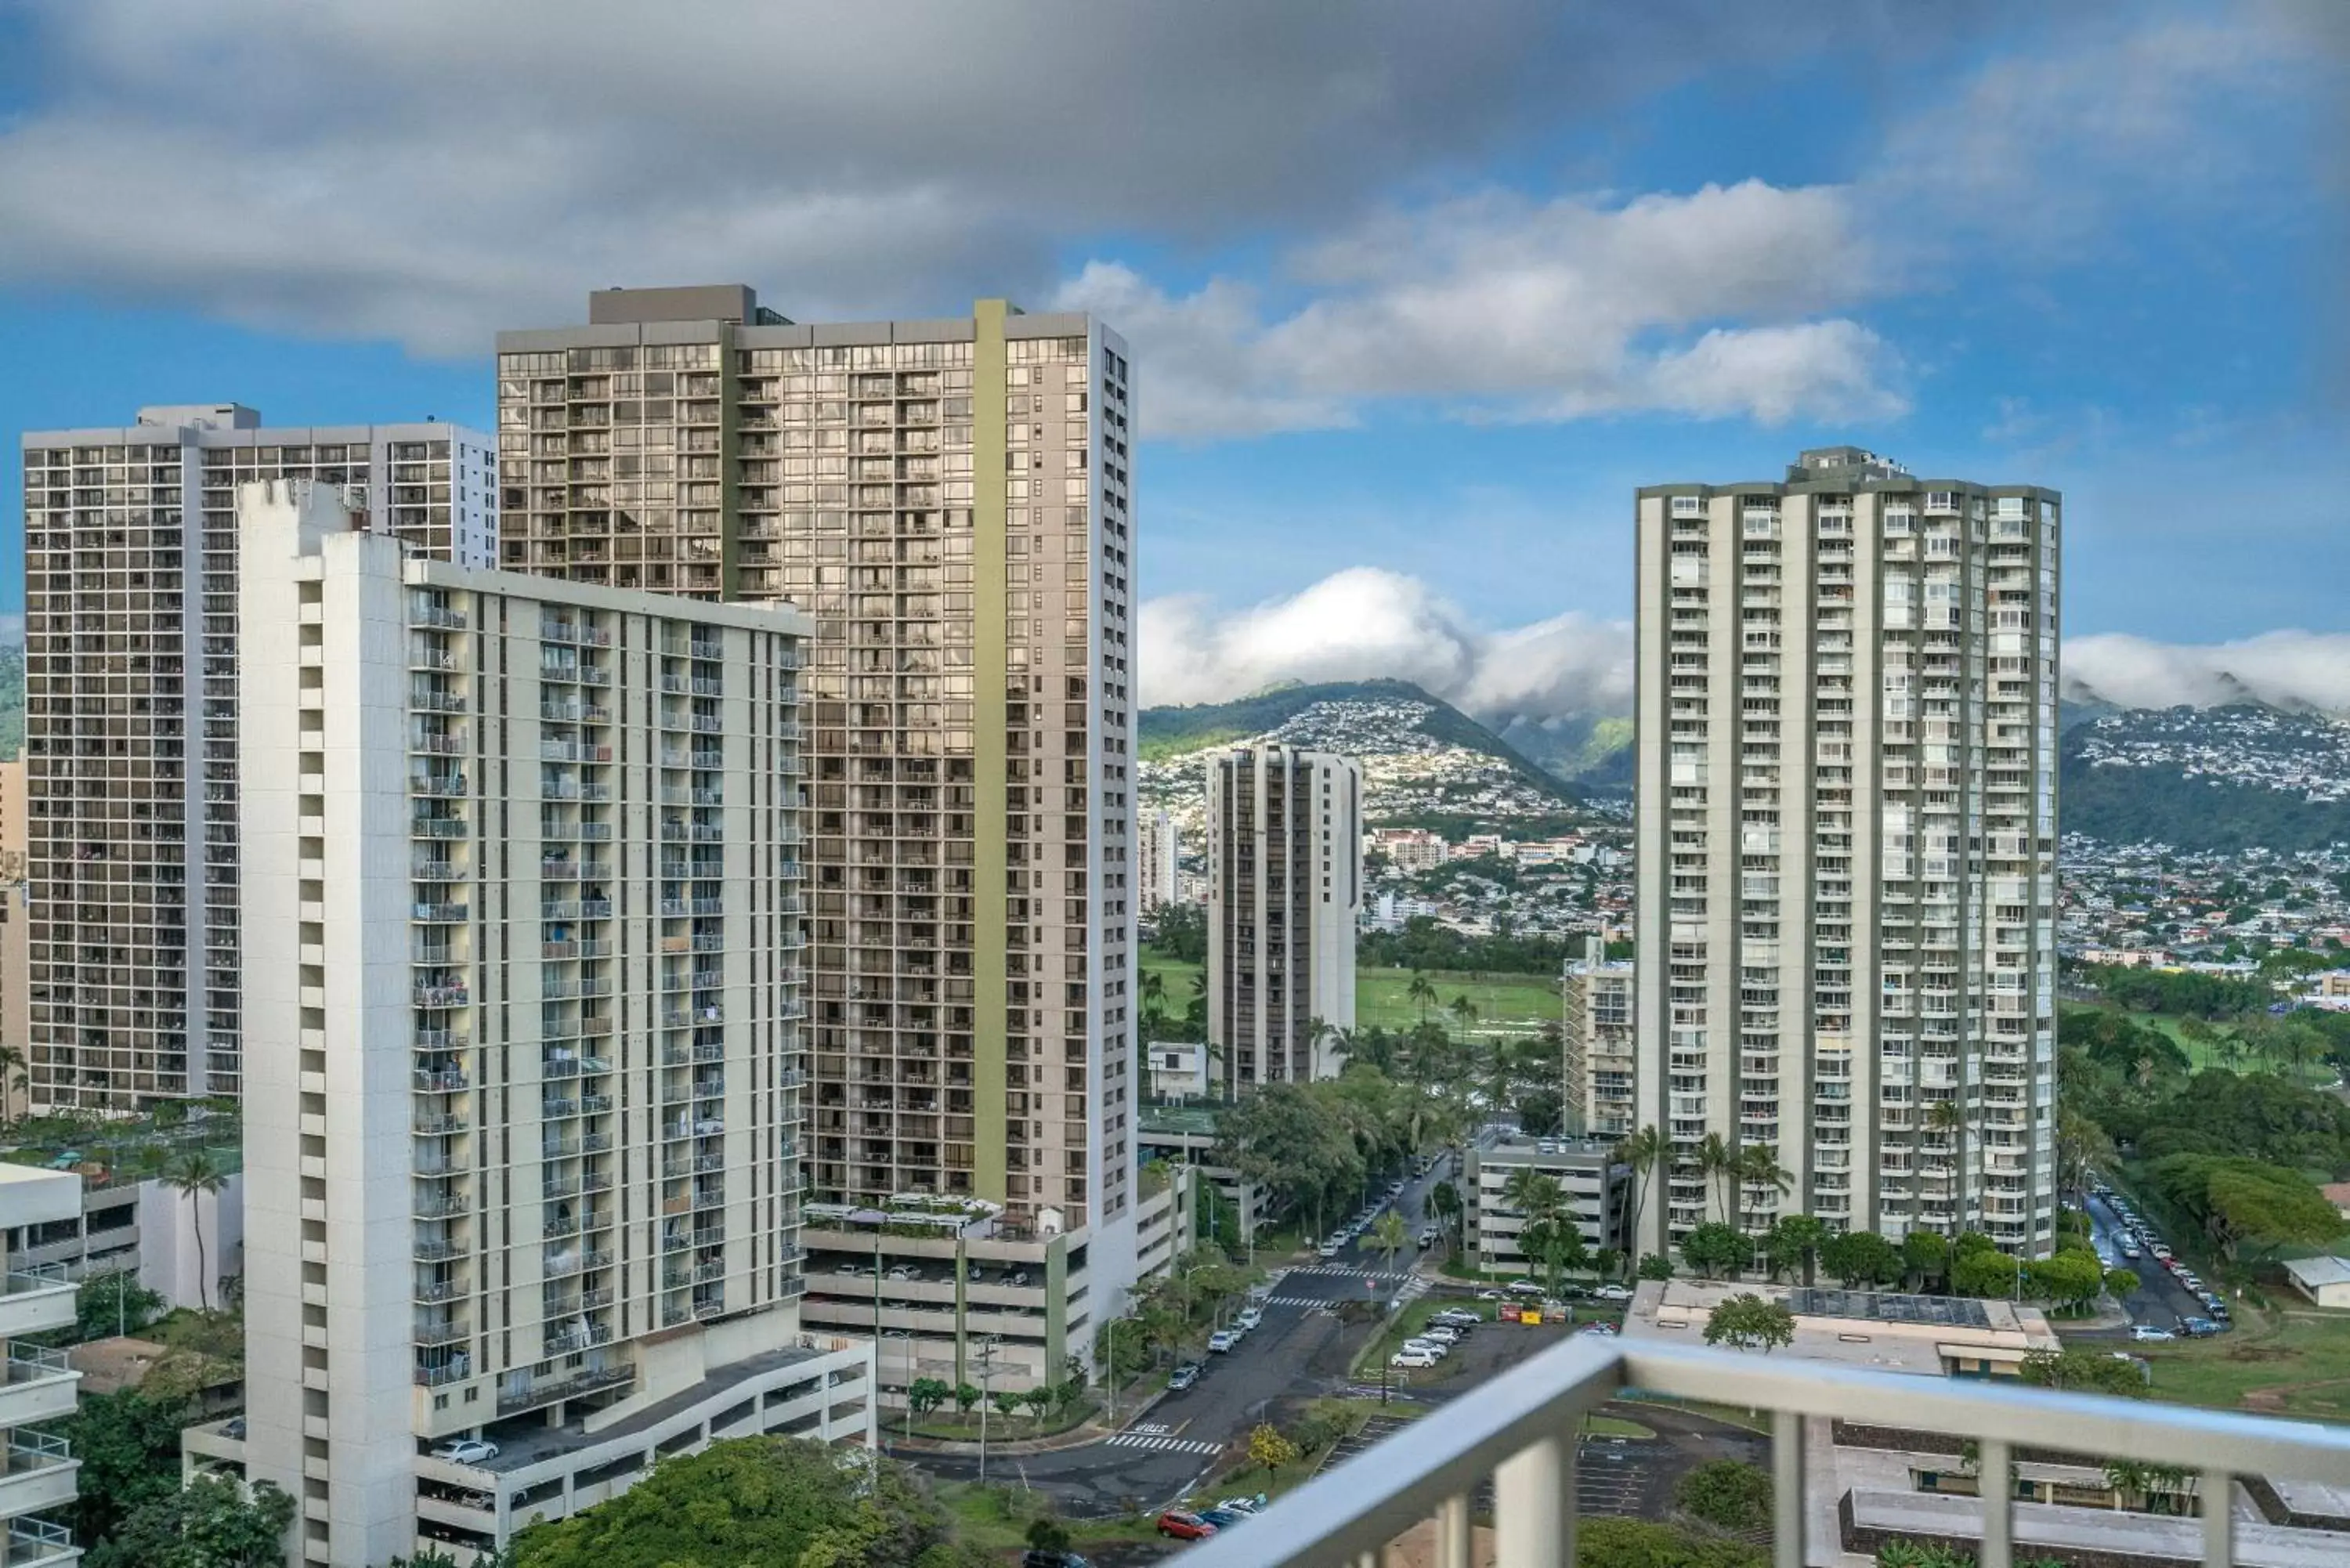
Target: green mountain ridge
[[1174, 732]]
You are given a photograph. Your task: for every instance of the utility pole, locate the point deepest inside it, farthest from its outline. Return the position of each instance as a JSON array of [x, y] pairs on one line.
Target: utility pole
[[986, 1375], [1109, 1340]]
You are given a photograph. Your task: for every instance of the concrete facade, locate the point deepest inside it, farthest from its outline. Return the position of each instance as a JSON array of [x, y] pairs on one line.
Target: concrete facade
[[1595, 1186], [132, 656], [1596, 1001], [1284, 892], [524, 1103], [949, 501], [1846, 845]]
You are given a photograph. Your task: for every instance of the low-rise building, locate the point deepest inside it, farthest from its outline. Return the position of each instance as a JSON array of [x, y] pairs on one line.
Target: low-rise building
[[2325, 1281], [38, 1488], [1593, 1185], [1185, 1136], [1929, 1336]]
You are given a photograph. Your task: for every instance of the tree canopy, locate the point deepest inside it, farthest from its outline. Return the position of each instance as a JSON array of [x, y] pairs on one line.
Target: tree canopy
[[757, 1500], [1748, 1322], [2241, 1200]]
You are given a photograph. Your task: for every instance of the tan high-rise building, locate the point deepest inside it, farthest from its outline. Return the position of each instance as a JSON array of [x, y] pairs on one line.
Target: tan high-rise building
[[949, 501], [1596, 995], [130, 722], [525, 1079], [1846, 845], [1284, 891]]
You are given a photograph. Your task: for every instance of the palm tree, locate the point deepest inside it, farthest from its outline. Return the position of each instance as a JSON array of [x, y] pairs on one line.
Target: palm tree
[[1533, 1193], [1154, 1002], [1464, 1013], [1389, 1236], [197, 1175], [1717, 1161], [1640, 1150], [1421, 990], [1758, 1167]]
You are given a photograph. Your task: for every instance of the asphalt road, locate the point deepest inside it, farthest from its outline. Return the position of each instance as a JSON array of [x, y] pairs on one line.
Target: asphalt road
[[1300, 1350], [2160, 1300]]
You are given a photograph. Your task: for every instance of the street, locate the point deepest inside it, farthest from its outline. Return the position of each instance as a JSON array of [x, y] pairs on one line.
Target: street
[[2160, 1300], [1300, 1351]]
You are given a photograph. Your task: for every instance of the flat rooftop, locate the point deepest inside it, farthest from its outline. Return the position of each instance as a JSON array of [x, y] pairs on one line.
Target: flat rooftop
[[524, 1439], [1886, 1332]]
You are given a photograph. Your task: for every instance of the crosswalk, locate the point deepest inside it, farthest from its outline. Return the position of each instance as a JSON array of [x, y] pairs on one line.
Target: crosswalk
[[1164, 1444], [1340, 1271], [1308, 1302]]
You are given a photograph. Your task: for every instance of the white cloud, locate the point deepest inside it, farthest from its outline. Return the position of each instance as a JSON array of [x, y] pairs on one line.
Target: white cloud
[[2290, 668], [1501, 307], [1365, 624]]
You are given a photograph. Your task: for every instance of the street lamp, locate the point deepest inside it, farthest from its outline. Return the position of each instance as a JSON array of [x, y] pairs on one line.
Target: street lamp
[[986, 1359]]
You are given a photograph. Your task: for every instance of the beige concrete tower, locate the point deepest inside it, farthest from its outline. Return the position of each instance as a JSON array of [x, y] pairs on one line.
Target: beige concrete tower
[[130, 721], [1847, 845], [1284, 891], [949, 501]]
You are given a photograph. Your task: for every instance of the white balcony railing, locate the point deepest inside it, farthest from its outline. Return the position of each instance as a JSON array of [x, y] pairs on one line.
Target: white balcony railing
[[1520, 1432]]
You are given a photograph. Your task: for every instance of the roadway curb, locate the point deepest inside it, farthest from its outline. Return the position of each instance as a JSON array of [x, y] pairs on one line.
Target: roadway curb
[[1081, 1436]]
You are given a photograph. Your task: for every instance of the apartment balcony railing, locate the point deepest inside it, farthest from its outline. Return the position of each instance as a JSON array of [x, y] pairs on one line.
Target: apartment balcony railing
[[1520, 1433]]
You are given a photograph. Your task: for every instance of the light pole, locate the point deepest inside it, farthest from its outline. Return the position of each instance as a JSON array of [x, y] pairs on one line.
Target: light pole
[[986, 1359]]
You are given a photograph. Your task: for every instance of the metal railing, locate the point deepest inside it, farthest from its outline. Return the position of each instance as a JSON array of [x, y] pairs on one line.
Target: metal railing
[[1520, 1432]]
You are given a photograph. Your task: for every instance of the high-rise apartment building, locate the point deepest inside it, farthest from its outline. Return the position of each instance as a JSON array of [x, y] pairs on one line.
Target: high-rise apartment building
[[950, 503], [1595, 996], [130, 723], [16, 943], [1159, 864], [1285, 890], [523, 1092], [1846, 845], [42, 1390]]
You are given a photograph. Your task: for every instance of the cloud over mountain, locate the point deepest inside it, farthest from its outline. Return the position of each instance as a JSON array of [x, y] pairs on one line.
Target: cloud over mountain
[[2287, 668]]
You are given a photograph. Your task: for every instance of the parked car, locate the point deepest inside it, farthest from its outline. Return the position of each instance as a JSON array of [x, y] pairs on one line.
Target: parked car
[[1045, 1557], [2131, 1251], [1427, 1234], [1412, 1358], [2147, 1334], [1184, 1526], [905, 1272], [1455, 1317], [1443, 1334], [1611, 1294], [2218, 1305], [1328, 1249], [467, 1452], [1249, 1317], [2198, 1327], [1183, 1376], [1244, 1505], [1223, 1339], [1598, 1330], [1224, 1518], [1492, 1295], [1437, 1348], [1526, 1288]]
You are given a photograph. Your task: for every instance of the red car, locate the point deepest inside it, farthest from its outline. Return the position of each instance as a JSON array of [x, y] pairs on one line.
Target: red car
[[1184, 1526]]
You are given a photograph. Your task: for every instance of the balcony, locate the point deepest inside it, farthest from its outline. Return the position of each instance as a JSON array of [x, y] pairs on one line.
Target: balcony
[[1518, 1433], [37, 1472], [35, 1543], [38, 1297]]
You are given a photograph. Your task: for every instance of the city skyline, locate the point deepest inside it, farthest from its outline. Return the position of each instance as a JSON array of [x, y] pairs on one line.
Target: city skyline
[[1364, 341]]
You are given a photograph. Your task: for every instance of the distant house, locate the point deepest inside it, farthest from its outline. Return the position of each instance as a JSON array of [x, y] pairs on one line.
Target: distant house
[[2325, 1281], [2338, 1194]]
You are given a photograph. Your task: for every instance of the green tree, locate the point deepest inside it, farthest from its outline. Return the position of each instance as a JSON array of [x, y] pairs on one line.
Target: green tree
[[1656, 1266], [1046, 1533], [1601, 1542], [129, 1446], [1444, 1202], [2242, 1201], [113, 1302], [927, 1394], [1926, 1257], [211, 1522], [757, 1500], [1982, 1273], [2120, 1283], [1859, 1258], [1713, 1249], [1717, 1161], [1421, 994], [2082, 1370], [1748, 1322], [1728, 1494], [1760, 1173], [1795, 1241], [197, 1176], [966, 1398]]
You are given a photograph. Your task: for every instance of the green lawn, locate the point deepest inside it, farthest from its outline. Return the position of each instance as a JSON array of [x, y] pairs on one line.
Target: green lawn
[[1515, 1004], [2290, 1363], [2200, 1053], [996, 1517]]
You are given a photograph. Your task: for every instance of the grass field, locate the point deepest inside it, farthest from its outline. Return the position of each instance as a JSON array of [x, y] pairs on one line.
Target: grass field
[[2287, 1362], [1505, 1003], [2200, 1053]]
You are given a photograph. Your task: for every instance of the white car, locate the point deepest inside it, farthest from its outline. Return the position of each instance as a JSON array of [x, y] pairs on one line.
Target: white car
[[1443, 1335], [1330, 1248], [2147, 1333], [1249, 1317], [1492, 1295], [1223, 1339], [1427, 1346], [1611, 1294], [1412, 1358], [467, 1452]]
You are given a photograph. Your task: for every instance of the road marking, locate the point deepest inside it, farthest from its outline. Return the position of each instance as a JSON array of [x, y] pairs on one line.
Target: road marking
[[1297, 1301], [1162, 1444]]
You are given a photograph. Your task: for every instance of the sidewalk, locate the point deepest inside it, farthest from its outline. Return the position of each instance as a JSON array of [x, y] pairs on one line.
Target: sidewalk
[[1083, 1435]]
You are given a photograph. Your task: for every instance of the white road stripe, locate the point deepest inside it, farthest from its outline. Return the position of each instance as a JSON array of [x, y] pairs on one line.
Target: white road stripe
[[1168, 1445]]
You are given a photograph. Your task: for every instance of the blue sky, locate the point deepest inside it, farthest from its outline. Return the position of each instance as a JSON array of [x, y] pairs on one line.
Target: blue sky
[[1415, 303]]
